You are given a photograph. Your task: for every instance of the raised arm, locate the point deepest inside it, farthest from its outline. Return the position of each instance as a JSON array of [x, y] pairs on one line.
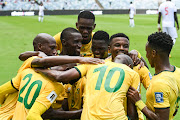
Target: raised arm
[[61, 76], [60, 60], [25, 55]]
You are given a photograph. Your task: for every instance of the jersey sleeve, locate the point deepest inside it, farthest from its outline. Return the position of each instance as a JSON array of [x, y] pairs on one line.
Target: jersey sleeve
[[50, 93], [145, 75], [82, 69], [136, 81], [15, 82], [27, 63], [175, 9], [58, 41], [160, 9], [161, 95]]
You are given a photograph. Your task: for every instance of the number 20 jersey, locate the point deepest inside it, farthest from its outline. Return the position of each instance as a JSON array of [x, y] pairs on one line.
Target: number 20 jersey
[[105, 90], [33, 87]]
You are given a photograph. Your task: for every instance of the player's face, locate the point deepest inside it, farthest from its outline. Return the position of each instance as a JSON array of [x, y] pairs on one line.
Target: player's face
[[119, 45], [100, 49], [149, 55], [49, 48], [74, 44], [85, 27]]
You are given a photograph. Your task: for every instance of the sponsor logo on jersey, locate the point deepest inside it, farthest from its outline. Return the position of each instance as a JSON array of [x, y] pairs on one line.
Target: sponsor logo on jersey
[[159, 97]]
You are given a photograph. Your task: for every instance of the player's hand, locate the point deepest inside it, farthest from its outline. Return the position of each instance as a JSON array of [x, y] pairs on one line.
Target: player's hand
[[141, 64], [41, 54], [86, 60], [159, 29], [133, 95], [134, 55]]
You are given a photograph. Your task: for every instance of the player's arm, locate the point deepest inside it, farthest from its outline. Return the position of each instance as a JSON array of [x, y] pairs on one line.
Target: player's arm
[[159, 21], [36, 111], [61, 114], [61, 76], [160, 114], [176, 19], [60, 60], [131, 110], [25, 55]]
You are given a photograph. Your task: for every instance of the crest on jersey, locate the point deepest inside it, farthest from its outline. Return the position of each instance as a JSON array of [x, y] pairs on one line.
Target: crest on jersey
[[52, 96], [159, 97]]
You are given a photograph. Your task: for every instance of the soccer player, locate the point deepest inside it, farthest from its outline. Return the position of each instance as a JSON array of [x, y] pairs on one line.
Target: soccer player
[[100, 43], [41, 12], [85, 25], [119, 43], [106, 88], [45, 88], [132, 12], [162, 92], [168, 11]]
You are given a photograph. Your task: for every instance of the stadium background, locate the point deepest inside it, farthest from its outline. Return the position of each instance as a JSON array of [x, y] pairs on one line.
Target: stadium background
[[18, 32]]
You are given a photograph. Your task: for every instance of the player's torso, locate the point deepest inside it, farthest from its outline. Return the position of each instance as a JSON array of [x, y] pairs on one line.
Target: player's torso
[[32, 84], [106, 88], [75, 94], [158, 97]]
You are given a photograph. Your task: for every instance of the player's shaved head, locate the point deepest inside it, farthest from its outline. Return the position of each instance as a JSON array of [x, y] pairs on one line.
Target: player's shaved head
[[42, 38], [124, 59], [118, 35], [67, 32]]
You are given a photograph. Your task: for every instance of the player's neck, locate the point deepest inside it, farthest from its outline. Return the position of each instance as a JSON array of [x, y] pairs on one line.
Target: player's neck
[[163, 65]]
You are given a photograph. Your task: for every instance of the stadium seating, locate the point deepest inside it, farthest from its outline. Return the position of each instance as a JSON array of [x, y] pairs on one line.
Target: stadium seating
[[83, 4]]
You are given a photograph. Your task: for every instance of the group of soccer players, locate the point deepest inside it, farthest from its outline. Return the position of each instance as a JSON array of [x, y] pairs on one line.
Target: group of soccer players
[[104, 83]]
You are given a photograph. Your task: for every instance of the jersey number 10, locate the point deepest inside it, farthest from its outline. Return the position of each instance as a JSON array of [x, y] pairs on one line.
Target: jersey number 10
[[108, 78]]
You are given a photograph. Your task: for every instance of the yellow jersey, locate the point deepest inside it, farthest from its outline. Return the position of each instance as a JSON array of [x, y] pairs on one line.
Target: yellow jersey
[[162, 92], [106, 88], [33, 87], [7, 109], [85, 49], [75, 94]]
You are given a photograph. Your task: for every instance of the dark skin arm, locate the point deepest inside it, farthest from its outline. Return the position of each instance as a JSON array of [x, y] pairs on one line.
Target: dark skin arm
[[131, 110], [60, 60], [61, 114], [159, 20], [25, 55], [61, 76], [159, 114], [176, 19]]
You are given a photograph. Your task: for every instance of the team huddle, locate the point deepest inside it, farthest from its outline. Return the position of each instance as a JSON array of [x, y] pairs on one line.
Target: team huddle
[[79, 74]]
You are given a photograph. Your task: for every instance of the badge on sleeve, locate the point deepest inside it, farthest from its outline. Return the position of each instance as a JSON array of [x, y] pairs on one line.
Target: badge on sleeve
[[52, 96], [159, 97]]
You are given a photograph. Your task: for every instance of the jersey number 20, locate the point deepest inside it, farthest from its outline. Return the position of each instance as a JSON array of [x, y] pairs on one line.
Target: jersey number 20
[[108, 78], [36, 94]]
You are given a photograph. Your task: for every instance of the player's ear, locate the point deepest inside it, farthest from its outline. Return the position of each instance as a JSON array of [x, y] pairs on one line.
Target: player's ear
[[77, 25], [94, 26], [39, 46], [109, 48], [63, 42], [154, 53]]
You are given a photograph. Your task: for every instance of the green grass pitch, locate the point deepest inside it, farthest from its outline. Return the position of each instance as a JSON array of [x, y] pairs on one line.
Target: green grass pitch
[[17, 34]]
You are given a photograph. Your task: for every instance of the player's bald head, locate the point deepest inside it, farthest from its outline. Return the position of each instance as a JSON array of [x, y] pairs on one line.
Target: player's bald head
[[42, 38], [67, 32], [124, 59]]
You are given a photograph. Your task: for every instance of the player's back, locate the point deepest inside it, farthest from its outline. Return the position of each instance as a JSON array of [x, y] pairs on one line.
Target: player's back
[[167, 10], [106, 88], [162, 92], [34, 87]]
